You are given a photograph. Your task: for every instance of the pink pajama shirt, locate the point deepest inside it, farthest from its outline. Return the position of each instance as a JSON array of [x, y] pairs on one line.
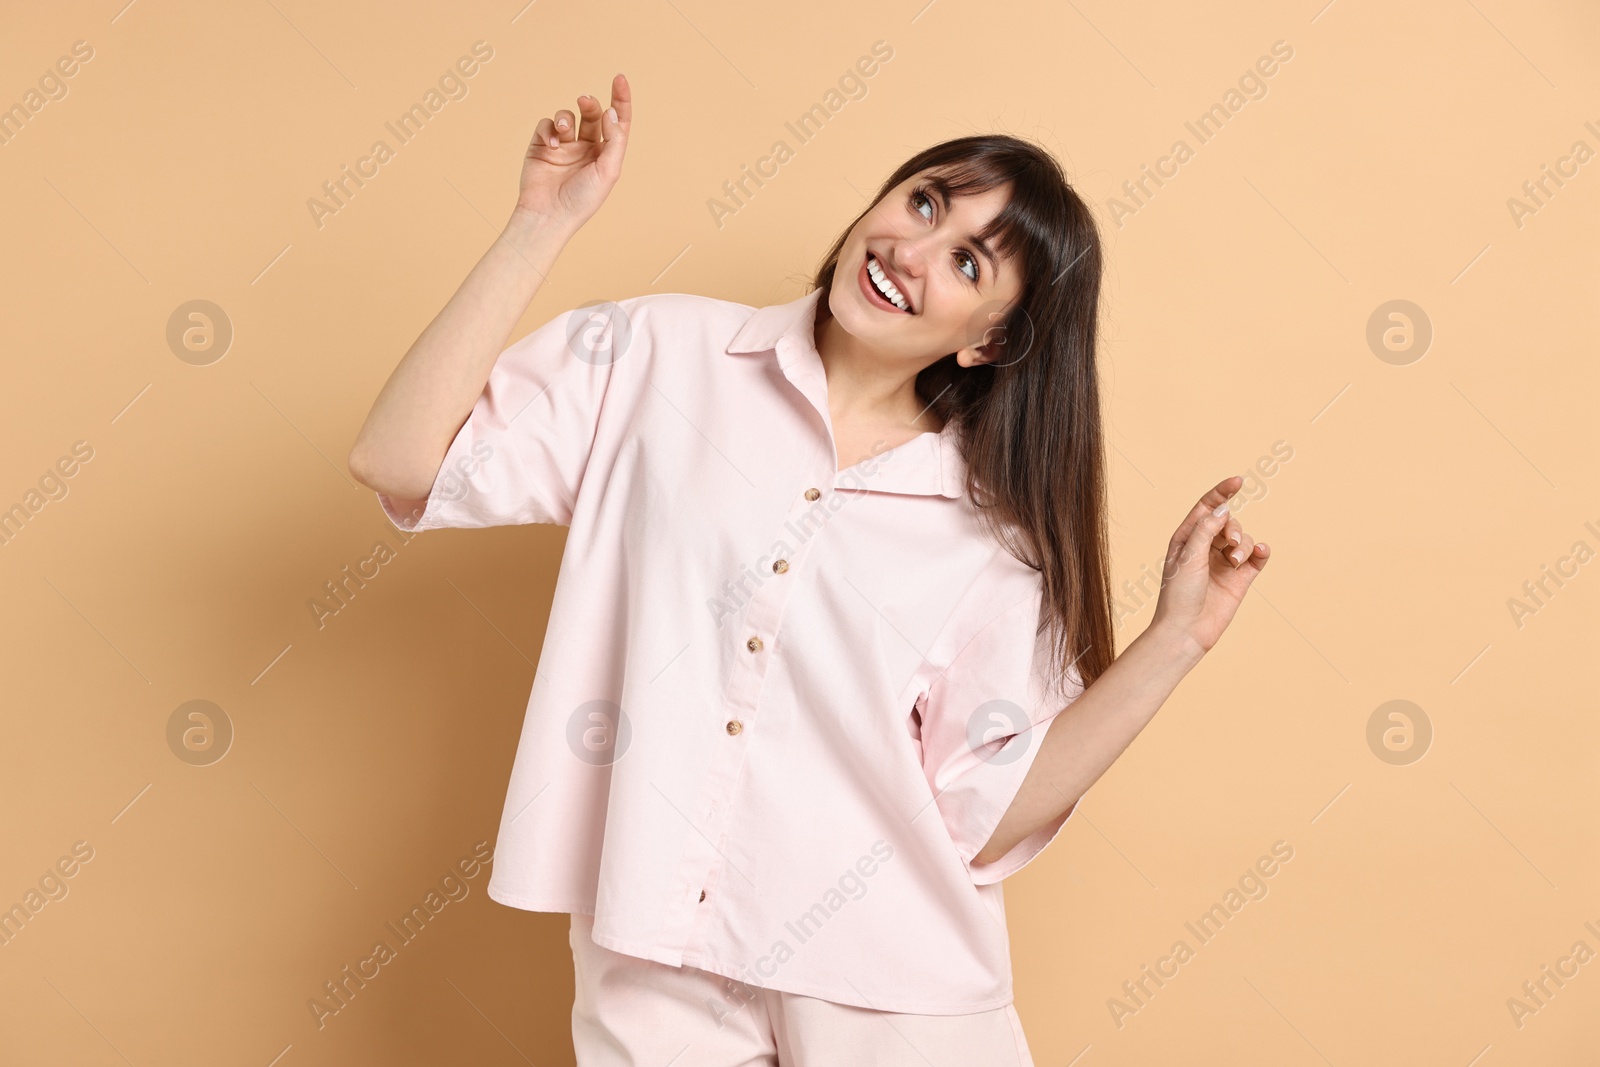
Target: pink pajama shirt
[[780, 707]]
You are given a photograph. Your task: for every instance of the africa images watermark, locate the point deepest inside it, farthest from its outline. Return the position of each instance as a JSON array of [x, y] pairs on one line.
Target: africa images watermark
[[1538, 192], [52, 486], [1538, 592], [1252, 885], [851, 86], [52, 887], [52, 89], [1251, 86], [451, 484], [452, 85], [737, 592], [850, 885], [339, 991], [1537, 993], [338, 595]]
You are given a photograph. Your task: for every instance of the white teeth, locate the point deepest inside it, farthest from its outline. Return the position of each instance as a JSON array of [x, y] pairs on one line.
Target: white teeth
[[885, 286]]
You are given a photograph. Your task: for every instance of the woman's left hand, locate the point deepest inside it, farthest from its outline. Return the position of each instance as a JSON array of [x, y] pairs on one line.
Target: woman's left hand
[[1210, 563]]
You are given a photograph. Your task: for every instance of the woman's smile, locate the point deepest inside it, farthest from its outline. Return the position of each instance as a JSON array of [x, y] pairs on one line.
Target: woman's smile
[[875, 296]]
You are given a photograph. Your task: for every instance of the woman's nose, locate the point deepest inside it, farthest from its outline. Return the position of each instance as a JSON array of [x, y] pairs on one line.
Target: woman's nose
[[907, 258]]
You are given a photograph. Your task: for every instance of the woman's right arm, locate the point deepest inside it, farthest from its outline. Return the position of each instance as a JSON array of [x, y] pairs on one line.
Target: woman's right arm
[[433, 389]]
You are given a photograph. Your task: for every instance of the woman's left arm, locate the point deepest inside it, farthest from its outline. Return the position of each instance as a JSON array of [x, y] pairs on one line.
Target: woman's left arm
[[1210, 563]]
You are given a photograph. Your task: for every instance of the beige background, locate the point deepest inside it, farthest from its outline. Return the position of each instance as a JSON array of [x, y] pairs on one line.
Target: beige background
[[370, 755]]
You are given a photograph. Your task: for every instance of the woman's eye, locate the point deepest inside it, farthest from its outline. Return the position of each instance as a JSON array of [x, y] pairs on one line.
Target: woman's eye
[[919, 197]]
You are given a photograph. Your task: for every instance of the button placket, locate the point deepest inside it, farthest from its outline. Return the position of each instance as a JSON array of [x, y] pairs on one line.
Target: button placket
[[763, 615]]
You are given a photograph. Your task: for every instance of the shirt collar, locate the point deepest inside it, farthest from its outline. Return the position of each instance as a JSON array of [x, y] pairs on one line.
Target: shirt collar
[[926, 465]]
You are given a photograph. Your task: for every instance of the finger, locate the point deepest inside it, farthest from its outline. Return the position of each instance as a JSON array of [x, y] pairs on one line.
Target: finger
[[1238, 554], [622, 100], [544, 134], [1193, 523], [589, 128], [1256, 560], [1233, 542], [1195, 552], [1230, 534], [566, 128], [615, 125], [1218, 494]]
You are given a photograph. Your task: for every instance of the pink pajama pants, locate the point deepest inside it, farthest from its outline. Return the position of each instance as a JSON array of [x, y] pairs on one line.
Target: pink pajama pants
[[631, 1012]]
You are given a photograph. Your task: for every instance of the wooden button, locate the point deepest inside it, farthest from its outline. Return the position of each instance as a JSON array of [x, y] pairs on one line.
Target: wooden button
[[754, 644], [734, 726], [779, 566], [702, 895], [812, 494]]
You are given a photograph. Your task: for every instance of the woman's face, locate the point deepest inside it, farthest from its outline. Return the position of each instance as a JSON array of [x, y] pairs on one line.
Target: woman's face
[[947, 288]]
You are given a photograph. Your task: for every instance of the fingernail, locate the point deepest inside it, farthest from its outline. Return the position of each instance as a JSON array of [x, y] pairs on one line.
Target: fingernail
[[1221, 509], [1234, 538], [561, 124], [1237, 555], [611, 113]]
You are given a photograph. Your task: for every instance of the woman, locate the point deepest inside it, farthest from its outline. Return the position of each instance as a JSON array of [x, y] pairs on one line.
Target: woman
[[829, 654]]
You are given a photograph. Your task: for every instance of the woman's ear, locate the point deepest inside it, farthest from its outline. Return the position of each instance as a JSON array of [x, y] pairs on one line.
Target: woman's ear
[[988, 329], [990, 348]]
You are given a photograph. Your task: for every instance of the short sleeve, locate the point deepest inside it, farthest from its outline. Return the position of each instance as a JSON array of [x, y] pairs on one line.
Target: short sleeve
[[521, 455], [983, 722]]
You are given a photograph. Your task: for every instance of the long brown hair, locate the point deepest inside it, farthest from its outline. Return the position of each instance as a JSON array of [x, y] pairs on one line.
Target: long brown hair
[[1028, 423]]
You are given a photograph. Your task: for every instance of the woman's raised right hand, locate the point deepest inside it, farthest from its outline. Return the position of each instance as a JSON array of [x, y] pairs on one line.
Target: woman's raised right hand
[[570, 179]]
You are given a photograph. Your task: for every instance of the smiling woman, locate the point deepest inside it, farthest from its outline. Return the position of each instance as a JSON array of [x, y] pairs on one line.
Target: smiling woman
[[911, 453], [968, 292]]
